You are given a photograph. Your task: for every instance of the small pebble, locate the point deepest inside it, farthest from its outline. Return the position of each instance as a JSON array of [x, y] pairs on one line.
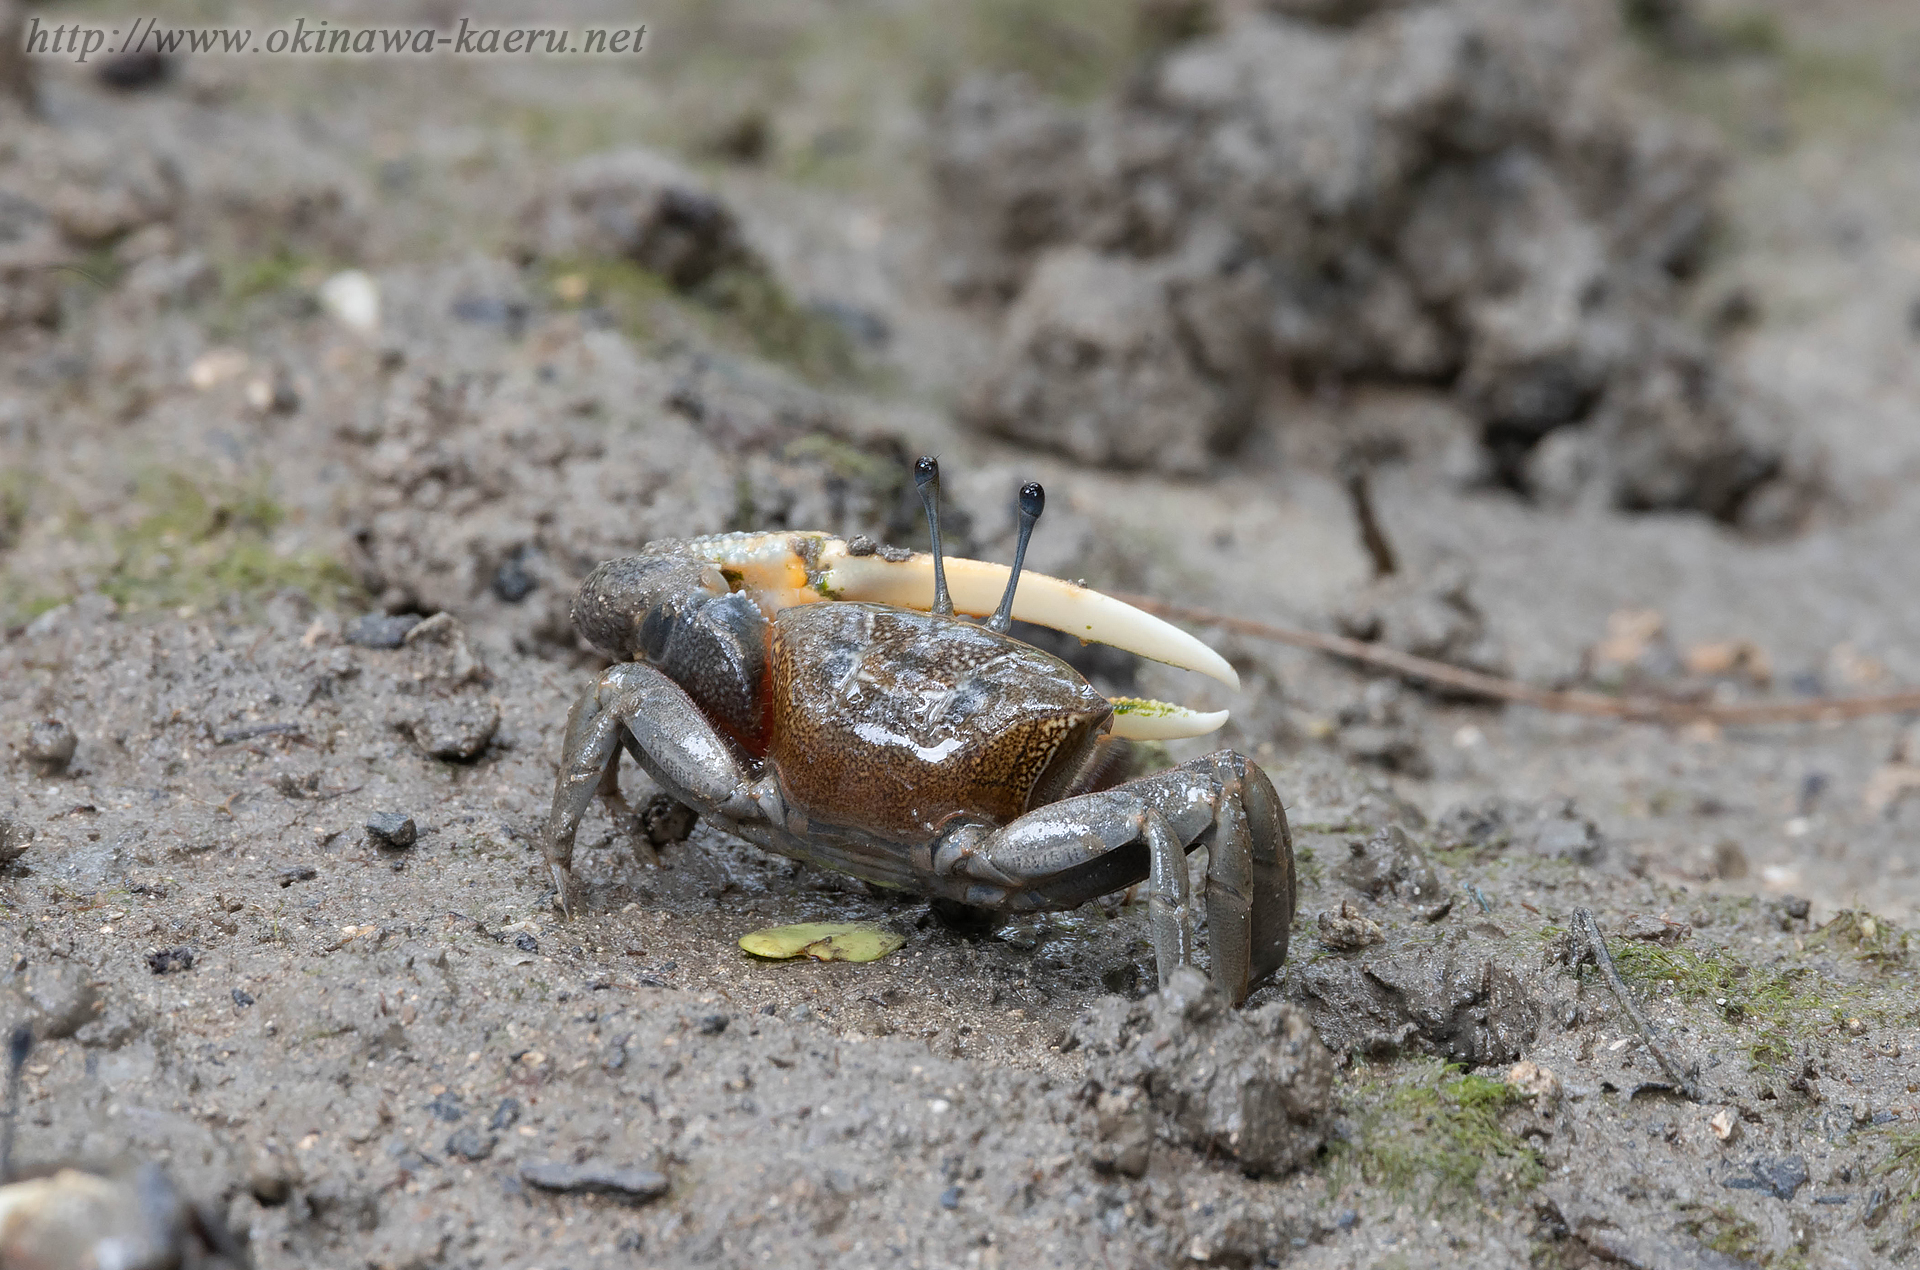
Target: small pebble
[[457, 730], [469, 1145], [392, 829], [377, 630], [950, 1198], [50, 746], [593, 1178], [298, 873], [713, 1025], [506, 1115], [448, 1107], [242, 998], [526, 943], [168, 960]]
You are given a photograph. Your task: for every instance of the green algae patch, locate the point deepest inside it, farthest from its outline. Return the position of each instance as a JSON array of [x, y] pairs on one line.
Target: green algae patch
[[741, 307], [180, 540], [197, 544], [1432, 1133], [1725, 1231], [823, 941]]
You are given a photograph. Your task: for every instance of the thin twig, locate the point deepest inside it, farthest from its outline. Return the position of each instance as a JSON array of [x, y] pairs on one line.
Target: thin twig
[[1494, 687], [1589, 945]]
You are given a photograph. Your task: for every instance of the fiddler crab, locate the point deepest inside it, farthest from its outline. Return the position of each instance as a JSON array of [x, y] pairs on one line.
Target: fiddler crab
[[826, 701]]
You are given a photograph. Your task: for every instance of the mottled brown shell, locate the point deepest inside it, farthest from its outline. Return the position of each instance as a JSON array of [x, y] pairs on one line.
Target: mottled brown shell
[[892, 721]]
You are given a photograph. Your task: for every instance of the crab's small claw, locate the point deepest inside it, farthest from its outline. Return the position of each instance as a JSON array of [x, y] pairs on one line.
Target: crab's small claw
[[1143, 719]]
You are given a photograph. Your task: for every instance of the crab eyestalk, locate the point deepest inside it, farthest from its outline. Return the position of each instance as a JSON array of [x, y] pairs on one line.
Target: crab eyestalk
[[926, 475], [1033, 501]]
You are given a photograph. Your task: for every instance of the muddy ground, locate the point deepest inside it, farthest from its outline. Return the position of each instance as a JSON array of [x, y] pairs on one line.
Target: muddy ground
[[352, 1049]]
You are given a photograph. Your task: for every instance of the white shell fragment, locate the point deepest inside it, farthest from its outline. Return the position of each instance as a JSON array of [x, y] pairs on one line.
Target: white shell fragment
[[353, 300]]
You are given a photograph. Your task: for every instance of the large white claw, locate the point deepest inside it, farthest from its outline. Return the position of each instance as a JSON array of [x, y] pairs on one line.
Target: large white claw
[[976, 587]]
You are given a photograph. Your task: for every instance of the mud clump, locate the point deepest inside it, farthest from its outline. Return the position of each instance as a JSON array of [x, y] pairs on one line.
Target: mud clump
[[50, 747], [638, 206], [15, 838], [1431, 614], [1182, 1066], [1459, 1000], [1556, 829], [1390, 863], [1455, 194], [1098, 361]]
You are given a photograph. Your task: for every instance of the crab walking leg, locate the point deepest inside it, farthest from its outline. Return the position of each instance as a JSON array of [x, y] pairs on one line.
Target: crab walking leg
[[1271, 879], [1169, 910], [1067, 853], [669, 737], [1230, 886]]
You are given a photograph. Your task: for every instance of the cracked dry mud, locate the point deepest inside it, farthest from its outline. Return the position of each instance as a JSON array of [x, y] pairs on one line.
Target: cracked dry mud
[[285, 659]]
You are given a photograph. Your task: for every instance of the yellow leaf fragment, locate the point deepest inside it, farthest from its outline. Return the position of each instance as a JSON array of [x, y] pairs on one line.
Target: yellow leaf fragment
[[824, 941]]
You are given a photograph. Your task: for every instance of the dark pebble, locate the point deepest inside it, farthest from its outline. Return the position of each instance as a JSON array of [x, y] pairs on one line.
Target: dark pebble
[[950, 1198], [506, 1115], [134, 69], [298, 873], [392, 829], [1796, 907], [448, 1107], [1779, 1176], [592, 1178], [169, 960], [713, 1024], [377, 630], [242, 998], [512, 582], [526, 943], [468, 1144]]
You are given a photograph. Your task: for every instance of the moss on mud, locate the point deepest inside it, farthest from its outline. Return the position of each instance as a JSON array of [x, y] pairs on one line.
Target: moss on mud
[[188, 542], [1899, 1172], [1426, 1132], [741, 307], [1725, 1231]]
